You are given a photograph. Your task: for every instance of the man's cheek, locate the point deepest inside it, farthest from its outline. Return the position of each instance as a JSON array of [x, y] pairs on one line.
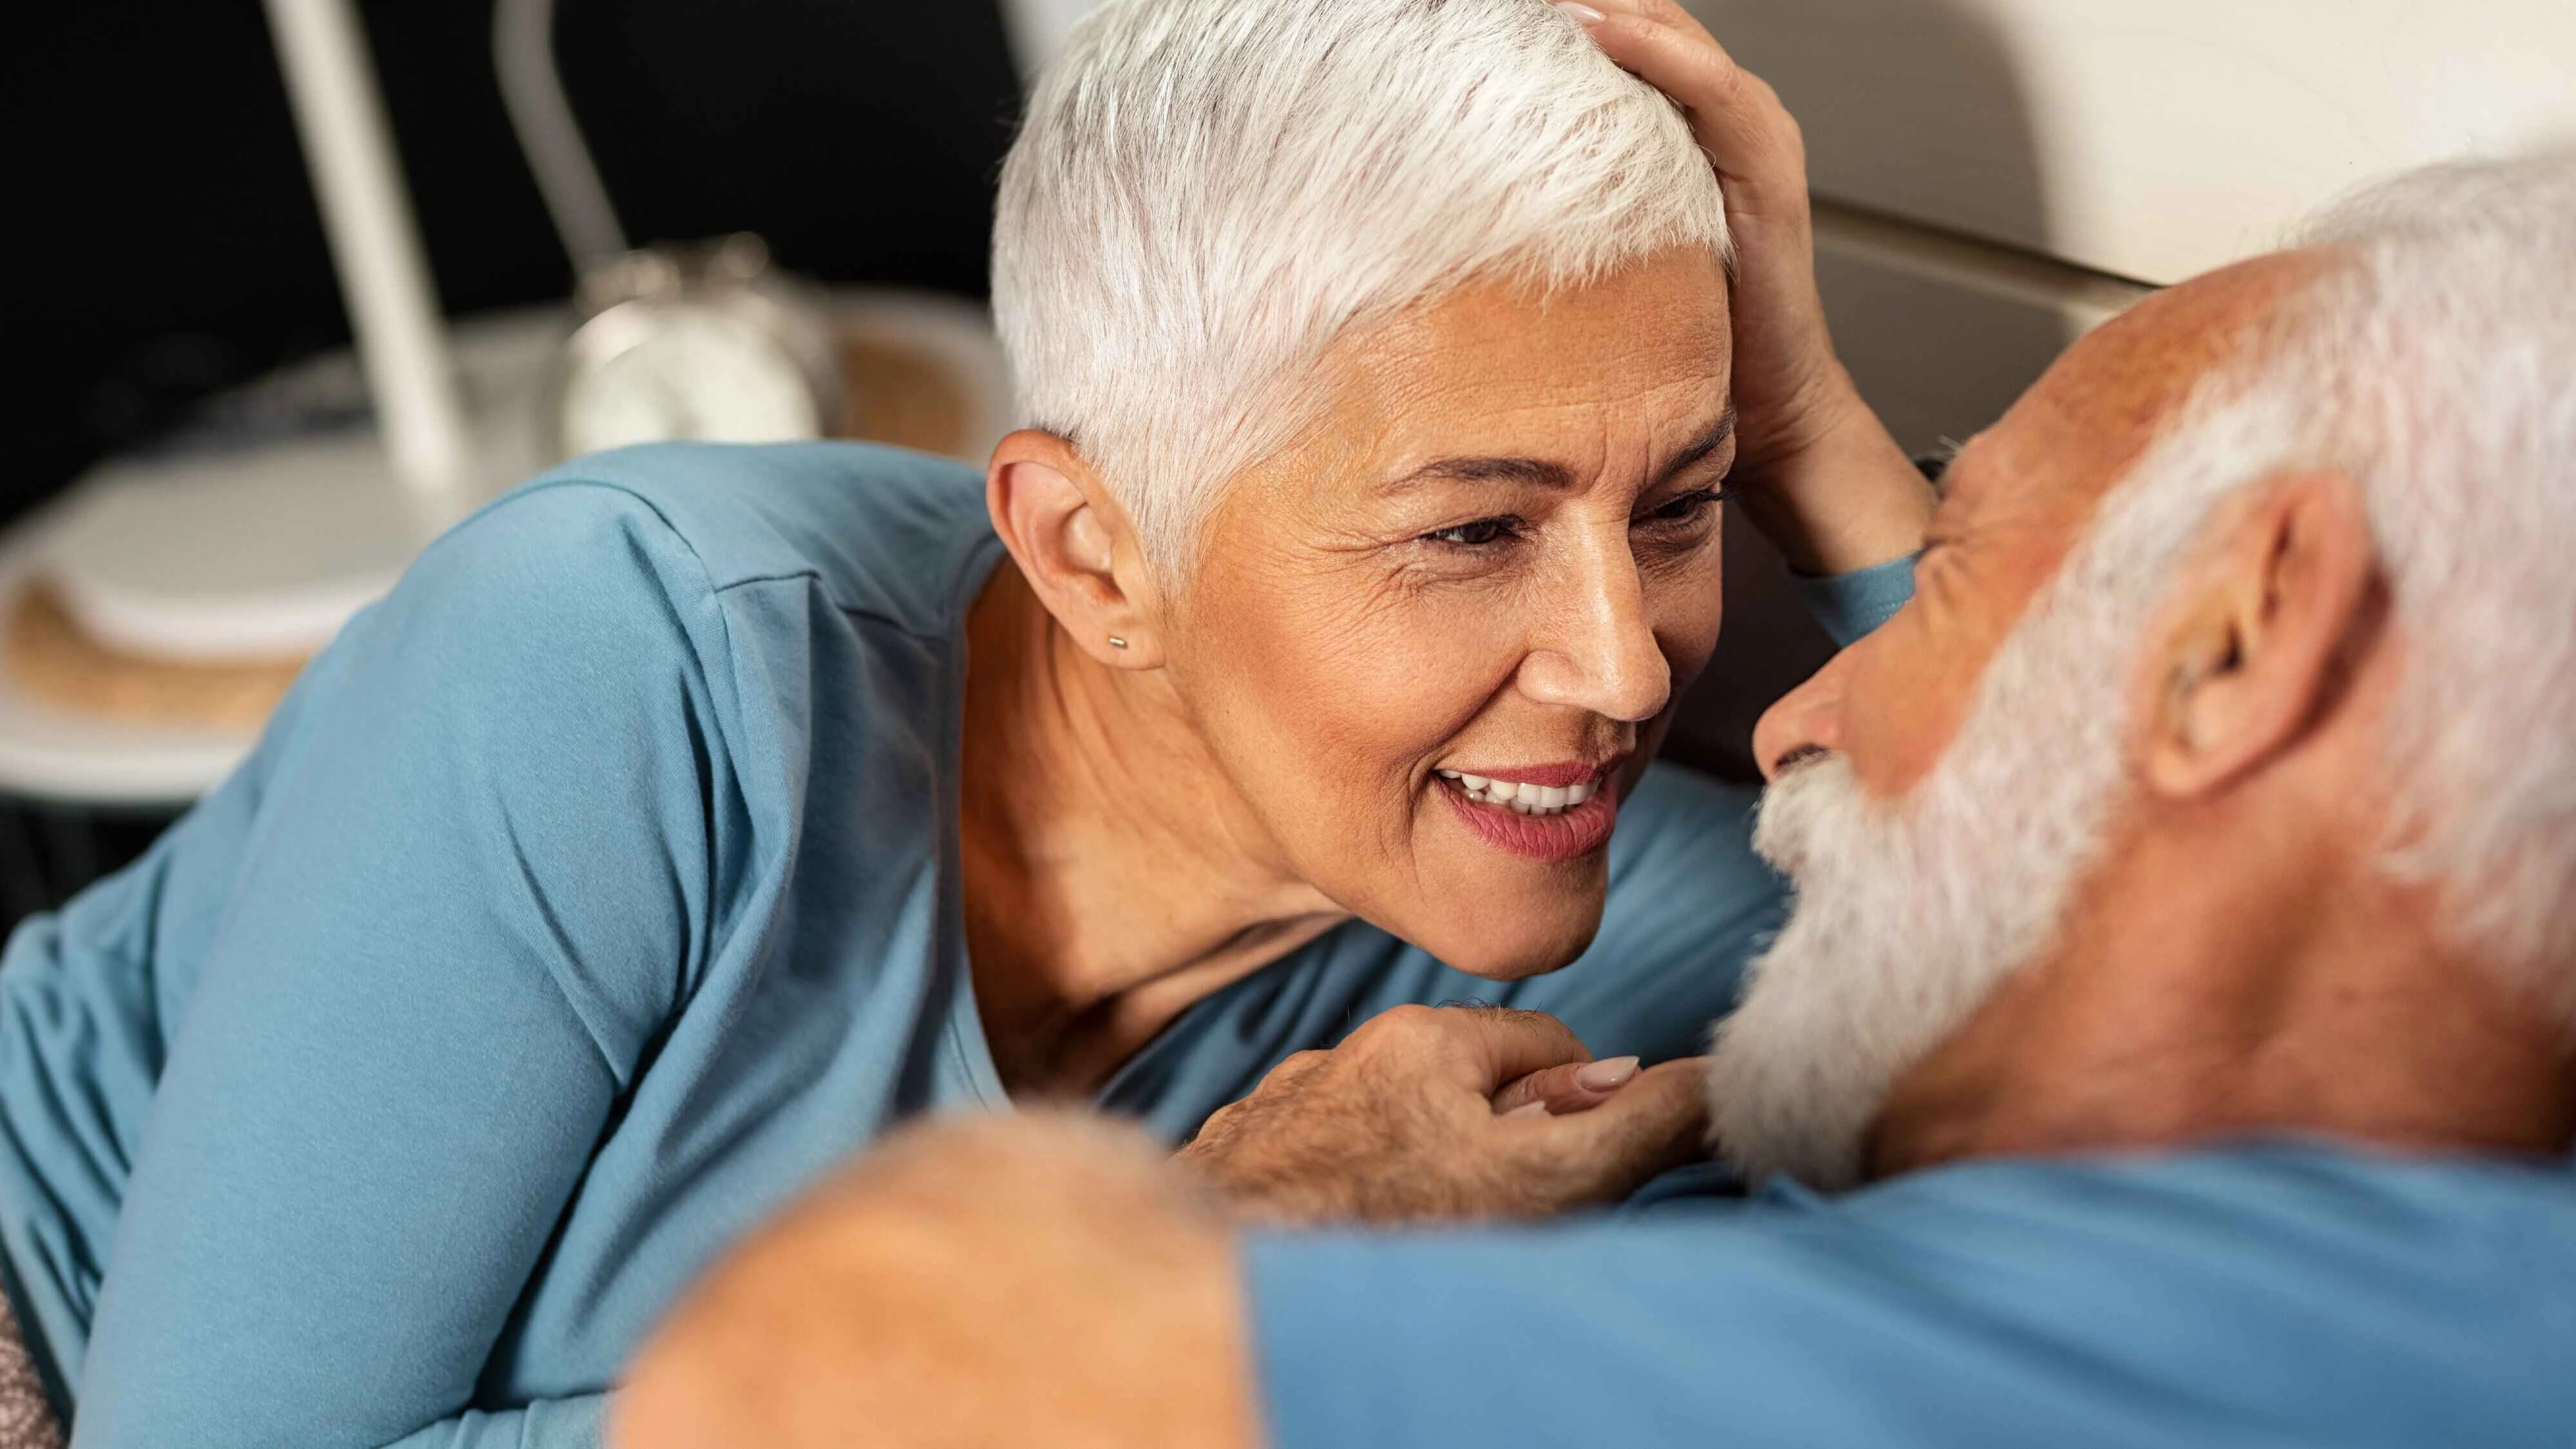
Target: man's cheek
[[1899, 707]]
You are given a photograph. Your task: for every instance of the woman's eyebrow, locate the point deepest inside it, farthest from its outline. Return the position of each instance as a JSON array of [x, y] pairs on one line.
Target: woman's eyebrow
[[1539, 472], [1700, 447], [1535, 471]]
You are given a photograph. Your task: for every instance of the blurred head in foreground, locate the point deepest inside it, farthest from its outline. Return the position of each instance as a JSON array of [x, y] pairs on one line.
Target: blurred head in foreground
[[2233, 724]]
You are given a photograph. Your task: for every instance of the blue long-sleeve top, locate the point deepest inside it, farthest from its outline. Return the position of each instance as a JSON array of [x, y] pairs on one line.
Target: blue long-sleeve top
[[587, 899], [2244, 1294]]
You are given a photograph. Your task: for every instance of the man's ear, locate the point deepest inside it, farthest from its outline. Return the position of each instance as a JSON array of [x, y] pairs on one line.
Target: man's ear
[[2259, 638], [1076, 547]]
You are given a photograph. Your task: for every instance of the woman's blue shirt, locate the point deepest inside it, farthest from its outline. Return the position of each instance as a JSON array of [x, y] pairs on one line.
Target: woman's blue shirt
[[590, 896]]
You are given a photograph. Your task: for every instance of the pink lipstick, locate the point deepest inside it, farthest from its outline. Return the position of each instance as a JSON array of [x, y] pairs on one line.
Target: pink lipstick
[[1550, 812]]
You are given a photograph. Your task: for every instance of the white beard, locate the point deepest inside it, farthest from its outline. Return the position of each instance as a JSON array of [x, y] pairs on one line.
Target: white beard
[[1911, 912]]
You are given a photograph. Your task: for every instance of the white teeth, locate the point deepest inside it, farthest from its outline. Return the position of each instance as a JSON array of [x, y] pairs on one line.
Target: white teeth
[[1522, 799]]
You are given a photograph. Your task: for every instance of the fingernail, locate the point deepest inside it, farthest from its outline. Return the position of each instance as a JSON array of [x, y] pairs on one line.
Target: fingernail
[[1583, 14], [1526, 1109], [1603, 1076]]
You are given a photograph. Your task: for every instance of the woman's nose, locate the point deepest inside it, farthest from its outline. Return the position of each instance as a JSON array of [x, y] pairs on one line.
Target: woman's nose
[[1599, 652], [1807, 720]]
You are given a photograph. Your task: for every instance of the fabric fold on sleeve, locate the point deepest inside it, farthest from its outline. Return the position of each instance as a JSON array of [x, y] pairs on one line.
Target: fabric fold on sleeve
[[576, 1423]]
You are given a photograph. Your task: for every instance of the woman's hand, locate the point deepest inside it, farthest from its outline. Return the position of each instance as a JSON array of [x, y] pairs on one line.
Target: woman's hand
[[1817, 470], [1427, 1114]]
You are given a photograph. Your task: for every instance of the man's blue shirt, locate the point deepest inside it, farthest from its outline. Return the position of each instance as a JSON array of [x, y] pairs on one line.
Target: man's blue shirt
[[2269, 1294]]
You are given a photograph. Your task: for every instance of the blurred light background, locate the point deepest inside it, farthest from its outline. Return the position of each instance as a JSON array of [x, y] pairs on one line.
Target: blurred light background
[[166, 242], [166, 246], [1993, 177]]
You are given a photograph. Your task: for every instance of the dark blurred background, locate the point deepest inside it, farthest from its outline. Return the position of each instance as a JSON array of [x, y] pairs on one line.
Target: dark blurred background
[[164, 242]]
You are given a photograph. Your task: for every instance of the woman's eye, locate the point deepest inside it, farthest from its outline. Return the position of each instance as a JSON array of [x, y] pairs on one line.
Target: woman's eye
[[1482, 533], [1688, 506]]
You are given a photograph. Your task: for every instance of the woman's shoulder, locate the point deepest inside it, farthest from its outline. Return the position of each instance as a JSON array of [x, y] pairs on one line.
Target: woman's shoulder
[[1681, 824], [616, 603], [609, 621], [879, 531]]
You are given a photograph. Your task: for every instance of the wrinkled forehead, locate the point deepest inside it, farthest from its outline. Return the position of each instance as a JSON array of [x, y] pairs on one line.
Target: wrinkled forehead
[[2041, 472], [1489, 350], [1509, 370]]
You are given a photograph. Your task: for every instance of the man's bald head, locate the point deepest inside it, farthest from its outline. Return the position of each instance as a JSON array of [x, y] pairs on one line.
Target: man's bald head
[[2020, 496], [2423, 344], [2090, 419]]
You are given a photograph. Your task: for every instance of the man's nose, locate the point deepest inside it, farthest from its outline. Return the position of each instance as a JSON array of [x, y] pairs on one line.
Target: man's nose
[[1597, 650], [1807, 720]]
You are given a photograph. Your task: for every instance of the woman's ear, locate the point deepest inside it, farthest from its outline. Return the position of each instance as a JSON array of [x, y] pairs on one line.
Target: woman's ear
[[2261, 634], [1076, 547]]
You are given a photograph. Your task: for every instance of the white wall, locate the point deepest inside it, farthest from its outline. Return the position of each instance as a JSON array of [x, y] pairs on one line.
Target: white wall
[[2148, 138], [1038, 28]]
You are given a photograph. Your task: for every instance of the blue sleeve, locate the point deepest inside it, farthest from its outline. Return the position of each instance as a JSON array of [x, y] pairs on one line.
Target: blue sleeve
[[479, 890], [1850, 606], [2297, 1298]]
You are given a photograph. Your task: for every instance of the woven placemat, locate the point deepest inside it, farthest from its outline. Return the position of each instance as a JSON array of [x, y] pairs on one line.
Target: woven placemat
[[51, 659], [897, 394], [904, 396]]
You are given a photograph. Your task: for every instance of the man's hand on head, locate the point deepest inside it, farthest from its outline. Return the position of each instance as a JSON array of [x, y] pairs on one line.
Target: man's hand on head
[[1448, 1113], [1039, 1280]]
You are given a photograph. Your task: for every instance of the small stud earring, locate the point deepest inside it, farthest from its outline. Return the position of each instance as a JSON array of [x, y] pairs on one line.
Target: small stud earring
[[1117, 643]]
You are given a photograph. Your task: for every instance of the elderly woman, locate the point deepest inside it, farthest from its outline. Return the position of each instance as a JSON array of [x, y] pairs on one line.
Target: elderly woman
[[692, 815]]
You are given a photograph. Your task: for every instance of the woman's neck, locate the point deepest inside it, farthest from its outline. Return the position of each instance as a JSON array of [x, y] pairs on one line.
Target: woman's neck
[[1113, 876]]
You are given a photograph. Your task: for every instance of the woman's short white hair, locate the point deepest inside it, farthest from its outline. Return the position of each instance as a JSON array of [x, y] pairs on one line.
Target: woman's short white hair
[[1207, 193]]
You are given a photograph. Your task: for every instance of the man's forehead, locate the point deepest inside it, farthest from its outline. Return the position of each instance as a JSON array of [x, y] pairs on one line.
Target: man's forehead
[[2091, 416]]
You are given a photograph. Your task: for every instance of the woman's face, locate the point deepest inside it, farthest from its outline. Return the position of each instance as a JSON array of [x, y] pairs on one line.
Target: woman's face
[[1485, 573]]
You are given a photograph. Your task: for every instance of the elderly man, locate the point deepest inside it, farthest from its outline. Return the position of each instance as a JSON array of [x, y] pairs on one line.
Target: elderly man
[[2184, 975]]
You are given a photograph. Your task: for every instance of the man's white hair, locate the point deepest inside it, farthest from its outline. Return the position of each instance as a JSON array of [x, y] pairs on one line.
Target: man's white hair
[[2439, 370], [1207, 193], [2435, 364]]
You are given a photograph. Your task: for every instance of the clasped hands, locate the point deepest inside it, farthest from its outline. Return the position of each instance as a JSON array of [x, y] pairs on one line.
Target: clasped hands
[[1447, 1113]]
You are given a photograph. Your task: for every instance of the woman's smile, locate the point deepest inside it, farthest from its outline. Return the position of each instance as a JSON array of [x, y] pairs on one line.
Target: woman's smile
[[1545, 812]]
